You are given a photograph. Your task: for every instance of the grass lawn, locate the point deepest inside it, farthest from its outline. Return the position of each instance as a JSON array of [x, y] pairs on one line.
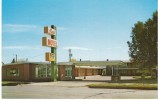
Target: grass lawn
[[139, 77], [137, 80], [12, 83], [125, 86]]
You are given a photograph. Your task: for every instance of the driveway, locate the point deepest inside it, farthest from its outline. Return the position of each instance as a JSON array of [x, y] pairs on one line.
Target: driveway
[[72, 90]]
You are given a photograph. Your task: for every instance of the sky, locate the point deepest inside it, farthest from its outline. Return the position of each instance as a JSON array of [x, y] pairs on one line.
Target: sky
[[94, 29]]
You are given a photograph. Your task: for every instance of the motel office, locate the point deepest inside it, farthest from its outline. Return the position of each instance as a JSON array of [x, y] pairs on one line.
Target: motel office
[[38, 71]]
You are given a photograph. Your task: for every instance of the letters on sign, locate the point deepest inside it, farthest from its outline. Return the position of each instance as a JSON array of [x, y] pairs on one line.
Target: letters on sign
[[52, 43], [50, 56], [49, 42], [49, 31]]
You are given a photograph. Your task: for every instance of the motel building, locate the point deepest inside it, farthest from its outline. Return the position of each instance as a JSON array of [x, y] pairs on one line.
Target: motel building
[[40, 71]]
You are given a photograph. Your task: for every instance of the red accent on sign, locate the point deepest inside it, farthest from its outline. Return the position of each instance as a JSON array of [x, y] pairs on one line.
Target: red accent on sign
[[52, 43]]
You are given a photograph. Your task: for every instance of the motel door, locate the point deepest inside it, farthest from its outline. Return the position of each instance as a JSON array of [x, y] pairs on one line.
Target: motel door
[[68, 70]]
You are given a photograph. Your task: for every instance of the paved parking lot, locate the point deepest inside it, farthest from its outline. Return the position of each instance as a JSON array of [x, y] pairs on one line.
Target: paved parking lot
[[73, 90]]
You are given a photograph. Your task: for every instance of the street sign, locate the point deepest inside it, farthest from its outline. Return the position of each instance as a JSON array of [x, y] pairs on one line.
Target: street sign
[[49, 42], [50, 56], [49, 31]]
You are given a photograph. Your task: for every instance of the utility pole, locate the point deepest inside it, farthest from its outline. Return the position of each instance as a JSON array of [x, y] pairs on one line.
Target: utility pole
[[16, 58], [70, 55]]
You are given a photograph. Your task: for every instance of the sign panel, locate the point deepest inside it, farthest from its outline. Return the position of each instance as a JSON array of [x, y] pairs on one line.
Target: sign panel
[[49, 31], [50, 56], [49, 42]]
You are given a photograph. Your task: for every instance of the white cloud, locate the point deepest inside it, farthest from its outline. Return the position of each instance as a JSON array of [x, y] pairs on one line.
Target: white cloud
[[77, 48], [22, 47], [18, 27], [25, 28], [61, 28]]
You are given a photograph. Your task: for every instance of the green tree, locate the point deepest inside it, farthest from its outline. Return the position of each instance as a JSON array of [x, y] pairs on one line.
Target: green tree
[[142, 48], [73, 60], [13, 61]]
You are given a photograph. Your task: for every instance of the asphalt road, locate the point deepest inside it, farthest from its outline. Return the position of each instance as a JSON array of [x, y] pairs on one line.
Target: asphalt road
[[72, 90]]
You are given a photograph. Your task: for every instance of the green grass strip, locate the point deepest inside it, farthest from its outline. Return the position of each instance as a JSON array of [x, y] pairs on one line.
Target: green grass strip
[[125, 86], [12, 83]]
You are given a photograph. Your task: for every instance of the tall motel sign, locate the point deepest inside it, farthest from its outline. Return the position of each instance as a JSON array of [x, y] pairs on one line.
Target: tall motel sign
[[52, 43]]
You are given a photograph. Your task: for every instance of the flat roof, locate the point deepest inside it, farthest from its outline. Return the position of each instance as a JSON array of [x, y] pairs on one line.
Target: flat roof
[[91, 67], [79, 63], [26, 63], [94, 63], [65, 63]]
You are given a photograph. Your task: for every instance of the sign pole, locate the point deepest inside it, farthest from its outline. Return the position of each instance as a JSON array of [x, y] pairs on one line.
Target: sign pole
[[53, 63], [51, 42]]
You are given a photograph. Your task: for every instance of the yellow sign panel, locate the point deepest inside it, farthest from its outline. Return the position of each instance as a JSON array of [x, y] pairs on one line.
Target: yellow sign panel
[[49, 31], [50, 56]]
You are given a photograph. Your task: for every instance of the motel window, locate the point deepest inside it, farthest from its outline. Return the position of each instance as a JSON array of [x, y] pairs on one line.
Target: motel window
[[68, 71], [12, 71], [42, 71]]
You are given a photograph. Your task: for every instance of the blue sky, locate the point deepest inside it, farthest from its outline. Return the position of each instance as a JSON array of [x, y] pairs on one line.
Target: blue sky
[[93, 29]]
